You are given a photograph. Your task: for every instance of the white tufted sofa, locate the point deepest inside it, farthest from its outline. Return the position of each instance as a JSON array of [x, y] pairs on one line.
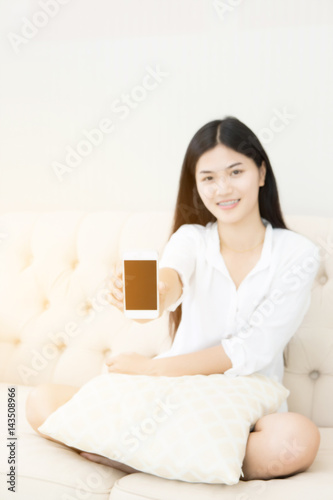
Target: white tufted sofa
[[56, 326]]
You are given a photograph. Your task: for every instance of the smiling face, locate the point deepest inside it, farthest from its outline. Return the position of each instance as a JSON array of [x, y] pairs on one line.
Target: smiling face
[[223, 174]]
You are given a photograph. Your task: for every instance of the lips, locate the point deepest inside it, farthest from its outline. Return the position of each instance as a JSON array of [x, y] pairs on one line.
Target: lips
[[226, 201]]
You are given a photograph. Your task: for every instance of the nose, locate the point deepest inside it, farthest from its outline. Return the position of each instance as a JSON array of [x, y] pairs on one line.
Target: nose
[[217, 186]]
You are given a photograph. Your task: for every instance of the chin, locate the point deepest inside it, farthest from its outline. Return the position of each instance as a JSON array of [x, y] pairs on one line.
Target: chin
[[229, 218]]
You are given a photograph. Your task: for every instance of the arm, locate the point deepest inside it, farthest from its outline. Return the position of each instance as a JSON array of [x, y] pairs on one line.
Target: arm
[[174, 288], [204, 362], [273, 323], [178, 264], [262, 337]]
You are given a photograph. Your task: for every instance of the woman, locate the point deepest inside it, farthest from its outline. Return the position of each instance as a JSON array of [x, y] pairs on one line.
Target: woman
[[233, 278]]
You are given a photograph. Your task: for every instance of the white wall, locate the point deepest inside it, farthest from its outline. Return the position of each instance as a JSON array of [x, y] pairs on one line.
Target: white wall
[[259, 58]]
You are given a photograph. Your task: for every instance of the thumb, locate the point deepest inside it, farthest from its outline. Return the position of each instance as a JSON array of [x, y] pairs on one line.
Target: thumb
[[162, 286]]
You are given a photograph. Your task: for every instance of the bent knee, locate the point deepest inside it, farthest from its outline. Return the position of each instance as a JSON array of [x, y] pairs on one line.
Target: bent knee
[[296, 441], [306, 437]]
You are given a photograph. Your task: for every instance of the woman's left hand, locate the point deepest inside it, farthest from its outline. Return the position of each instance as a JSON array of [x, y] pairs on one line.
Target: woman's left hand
[[131, 363]]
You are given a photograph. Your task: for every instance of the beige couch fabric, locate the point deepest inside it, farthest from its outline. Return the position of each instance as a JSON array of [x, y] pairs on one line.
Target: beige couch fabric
[[56, 326], [193, 428]]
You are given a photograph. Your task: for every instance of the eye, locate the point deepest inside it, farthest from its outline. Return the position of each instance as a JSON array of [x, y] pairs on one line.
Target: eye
[[237, 171], [208, 177]]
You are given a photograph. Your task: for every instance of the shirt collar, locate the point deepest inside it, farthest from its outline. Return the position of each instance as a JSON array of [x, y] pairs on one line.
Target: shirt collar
[[214, 257]]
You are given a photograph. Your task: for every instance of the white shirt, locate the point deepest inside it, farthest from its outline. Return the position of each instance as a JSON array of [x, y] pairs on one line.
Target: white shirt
[[253, 323]]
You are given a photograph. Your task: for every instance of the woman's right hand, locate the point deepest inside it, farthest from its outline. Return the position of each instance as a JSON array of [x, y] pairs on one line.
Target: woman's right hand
[[117, 293]]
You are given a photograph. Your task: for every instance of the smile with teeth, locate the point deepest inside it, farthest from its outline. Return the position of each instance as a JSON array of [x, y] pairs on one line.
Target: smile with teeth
[[226, 203]]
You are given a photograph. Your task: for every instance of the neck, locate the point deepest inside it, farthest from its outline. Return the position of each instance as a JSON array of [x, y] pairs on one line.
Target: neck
[[241, 235]]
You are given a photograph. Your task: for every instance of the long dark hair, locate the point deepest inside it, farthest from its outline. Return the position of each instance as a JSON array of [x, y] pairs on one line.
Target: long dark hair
[[190, 209]]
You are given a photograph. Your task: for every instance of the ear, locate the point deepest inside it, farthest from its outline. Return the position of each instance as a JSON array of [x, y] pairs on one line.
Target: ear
[[262, 174]]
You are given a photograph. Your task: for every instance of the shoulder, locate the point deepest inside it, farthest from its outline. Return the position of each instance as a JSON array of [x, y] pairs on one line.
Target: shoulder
[[193, 231], [292, 245]]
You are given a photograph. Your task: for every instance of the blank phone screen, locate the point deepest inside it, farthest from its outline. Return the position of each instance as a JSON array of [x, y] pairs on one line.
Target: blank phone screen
[[140, 284]]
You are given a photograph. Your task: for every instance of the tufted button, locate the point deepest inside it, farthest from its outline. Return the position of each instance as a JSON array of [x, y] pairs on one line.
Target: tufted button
[[84, 308], [61, 346], [107, 351], [314, 374], [46, 304], [29, 260], [75, 263], [87, 306], [17, 341], [323, 279]]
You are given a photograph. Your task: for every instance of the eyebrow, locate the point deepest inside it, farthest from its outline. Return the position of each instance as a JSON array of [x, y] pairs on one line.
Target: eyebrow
[[212, 172]]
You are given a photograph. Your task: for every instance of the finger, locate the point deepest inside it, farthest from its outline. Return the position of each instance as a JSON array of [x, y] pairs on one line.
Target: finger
[[114, 287], [111, 360], [117, 303], [111, 298], [118, 283], [115, 273], [162, 287], [111, 356], [118, 294], [117, 297], [110, 280]]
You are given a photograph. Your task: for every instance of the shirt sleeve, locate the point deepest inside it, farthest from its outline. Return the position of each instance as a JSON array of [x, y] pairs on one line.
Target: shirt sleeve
[[180, 254], [277, 317]]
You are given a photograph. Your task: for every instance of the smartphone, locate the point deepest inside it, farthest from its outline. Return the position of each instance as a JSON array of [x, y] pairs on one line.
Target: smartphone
[[140, 284]]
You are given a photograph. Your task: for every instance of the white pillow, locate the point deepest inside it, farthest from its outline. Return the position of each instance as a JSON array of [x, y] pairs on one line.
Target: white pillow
[[192, 428]]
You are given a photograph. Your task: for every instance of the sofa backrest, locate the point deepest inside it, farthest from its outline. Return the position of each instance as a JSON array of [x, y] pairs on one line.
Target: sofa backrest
[[56, 324], [308, 356]]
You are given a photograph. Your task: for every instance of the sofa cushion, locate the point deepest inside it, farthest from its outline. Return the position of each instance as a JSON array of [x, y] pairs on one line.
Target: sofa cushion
[[315, 482], [193, 428], [44, 469]]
